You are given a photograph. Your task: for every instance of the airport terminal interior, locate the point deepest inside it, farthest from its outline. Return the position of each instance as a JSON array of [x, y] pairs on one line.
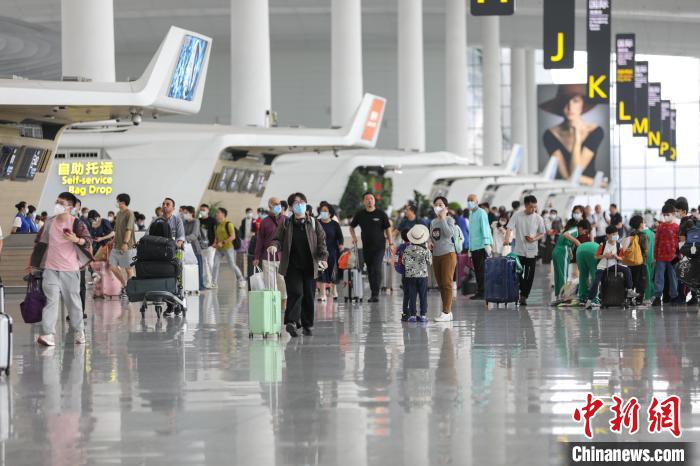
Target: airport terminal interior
[[348, 232]]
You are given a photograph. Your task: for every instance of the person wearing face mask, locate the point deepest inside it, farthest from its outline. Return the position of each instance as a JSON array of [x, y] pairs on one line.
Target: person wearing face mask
[[207, 224], [480, 242], [301, 241], [63, 247], [562, 253], [193, 235], [687, 222], [527, 226], [334, 242], [637, 243], [248, 227], [266, 236], [225, 234], [100, 230], [21, 222], [610, 256], [444, 256], [124, 251], [111, 217], [376, 238], [665, 245], [75, 212], [498, 233], [31, 213]]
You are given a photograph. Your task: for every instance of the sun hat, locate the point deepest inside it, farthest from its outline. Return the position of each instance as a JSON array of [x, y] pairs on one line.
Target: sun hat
[[566, 92], [418, 234]]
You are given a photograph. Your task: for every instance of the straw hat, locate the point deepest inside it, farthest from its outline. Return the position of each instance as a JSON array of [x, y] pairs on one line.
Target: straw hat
[[566, 92], [419, 234]]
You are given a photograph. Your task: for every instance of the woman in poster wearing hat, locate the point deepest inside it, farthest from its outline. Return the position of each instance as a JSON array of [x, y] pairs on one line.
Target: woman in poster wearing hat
[[574, 142]]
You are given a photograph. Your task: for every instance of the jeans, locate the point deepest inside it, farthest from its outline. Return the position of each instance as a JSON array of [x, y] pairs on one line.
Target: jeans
[[416, 286], [593, 291], [301, 287], [200, 266], [59, 286], [218, 257], [479, 260], [444, 268], [528, 264], [664, 270], [404, 286], [374, 261]]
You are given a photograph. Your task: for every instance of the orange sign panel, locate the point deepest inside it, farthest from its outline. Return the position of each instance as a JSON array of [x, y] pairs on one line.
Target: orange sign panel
[[373, 120]]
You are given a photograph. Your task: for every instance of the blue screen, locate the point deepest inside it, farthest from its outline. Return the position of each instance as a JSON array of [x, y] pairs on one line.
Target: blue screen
[[189, 66]]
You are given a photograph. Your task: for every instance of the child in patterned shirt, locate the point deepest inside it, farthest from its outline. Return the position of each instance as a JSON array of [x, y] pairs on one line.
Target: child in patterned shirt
[[416, 261]]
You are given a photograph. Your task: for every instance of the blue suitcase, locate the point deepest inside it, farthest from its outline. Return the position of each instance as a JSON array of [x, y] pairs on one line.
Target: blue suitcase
[[501, 281]]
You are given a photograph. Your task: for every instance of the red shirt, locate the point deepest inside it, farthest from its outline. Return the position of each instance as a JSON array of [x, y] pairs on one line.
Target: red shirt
[[665, 242]]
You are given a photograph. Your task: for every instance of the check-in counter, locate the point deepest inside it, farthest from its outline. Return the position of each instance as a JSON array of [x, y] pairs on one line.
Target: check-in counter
[[16, 251]]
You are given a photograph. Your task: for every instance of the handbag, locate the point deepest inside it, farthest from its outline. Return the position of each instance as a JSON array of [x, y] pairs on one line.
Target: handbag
[[257, 280], [188, 256], [102, 254], [33, 305]]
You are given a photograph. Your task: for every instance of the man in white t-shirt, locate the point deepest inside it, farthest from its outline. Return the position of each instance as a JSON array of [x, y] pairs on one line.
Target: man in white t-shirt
[[600, 225], [610, 256], [528, 228]]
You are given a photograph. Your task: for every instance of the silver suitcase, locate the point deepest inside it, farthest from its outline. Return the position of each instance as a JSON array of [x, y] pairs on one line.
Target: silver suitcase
[[388, 275], [5, 334], [355, 287]]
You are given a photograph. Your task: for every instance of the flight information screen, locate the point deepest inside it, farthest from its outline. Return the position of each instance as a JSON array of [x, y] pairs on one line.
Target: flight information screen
[[188, 69]]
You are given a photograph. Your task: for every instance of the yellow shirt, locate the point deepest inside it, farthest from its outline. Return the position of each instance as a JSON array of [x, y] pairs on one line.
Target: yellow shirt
[[222, 235]]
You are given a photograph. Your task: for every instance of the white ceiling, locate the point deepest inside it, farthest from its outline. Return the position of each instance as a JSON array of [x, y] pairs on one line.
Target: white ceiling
[[662, 26]]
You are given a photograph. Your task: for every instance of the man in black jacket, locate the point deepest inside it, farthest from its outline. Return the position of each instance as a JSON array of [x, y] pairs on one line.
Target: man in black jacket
[[207, 224]]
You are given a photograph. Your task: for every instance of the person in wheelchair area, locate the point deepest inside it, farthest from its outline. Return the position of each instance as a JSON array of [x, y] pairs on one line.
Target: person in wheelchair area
[[610, 256]]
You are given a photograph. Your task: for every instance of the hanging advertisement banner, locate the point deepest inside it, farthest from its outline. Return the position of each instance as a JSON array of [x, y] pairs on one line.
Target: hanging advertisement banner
[[640, 125], [598, 48], [654, 135], [674, 148], [624, 78], [574, 130], [665, 146], [492, 7], [559, 19]]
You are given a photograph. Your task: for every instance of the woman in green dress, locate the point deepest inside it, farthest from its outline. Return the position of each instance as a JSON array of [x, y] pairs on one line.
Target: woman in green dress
[[561, 254]]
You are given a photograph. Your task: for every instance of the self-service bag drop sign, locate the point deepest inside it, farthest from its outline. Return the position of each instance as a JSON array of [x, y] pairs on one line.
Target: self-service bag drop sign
[[87, 178]]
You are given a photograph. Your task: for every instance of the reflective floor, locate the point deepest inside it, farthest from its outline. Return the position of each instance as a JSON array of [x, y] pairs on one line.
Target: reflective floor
[[496, 387]]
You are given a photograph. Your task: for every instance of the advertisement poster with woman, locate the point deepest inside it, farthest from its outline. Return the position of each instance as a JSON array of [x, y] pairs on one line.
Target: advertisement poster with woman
[[574, 130]]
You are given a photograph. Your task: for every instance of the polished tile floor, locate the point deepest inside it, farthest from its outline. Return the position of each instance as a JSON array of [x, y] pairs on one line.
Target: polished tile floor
[[496, 387]]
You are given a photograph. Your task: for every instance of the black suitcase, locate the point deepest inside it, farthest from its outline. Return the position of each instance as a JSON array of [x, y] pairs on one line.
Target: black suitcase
[[137, 288], [156, 248], [613, 292], [160, 269]]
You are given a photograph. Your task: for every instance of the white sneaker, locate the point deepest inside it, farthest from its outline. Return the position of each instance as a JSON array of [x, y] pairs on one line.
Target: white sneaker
[[80, 337], [631, 293], [444, 317], [46, 340], [589, 304], [243, 283], [213, 286]]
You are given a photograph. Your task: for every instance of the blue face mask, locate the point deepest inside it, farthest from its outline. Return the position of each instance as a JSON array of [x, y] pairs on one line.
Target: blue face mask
[[323, 215], [615, 237], [276, 209], [300, 208], [263, 216], [471, 205]]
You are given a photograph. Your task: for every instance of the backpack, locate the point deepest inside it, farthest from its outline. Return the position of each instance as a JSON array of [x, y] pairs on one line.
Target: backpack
[[398, 259], [457, 239], [159, 227], [692, 236], [237, 238], [633, 253]]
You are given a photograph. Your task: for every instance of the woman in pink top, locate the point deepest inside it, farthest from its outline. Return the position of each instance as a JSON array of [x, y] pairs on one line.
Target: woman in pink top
[[62, 248]]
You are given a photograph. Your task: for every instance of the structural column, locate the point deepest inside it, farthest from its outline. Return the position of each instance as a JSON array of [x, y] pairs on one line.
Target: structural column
[[411, 102], [87, 39], [533, 138], [518, 103], [456, 79], [251, 95], [493, 129], [346, 60]]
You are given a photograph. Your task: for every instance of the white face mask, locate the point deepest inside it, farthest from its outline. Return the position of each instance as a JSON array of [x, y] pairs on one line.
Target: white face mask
[[577, 216], [249, 215], [438, 210], [58, 209], [187, 216], [668, 218]]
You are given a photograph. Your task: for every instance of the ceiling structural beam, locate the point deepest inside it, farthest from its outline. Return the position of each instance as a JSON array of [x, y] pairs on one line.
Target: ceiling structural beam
[[411, 101], [87, 39], [251, 86], [346, 60], [456, 78], [491, 56]]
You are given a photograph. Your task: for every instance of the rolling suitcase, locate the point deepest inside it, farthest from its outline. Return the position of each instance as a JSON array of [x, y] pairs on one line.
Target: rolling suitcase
[[190, 279], [501, 280], [156, 248], [613, 292], [5, 334], [136, 288], [265, 361], [464, 266], [388, 275], [354, 285], [106, 284], [264, 313]]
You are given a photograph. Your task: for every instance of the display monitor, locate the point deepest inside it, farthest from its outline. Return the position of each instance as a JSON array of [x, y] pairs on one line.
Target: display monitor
[[235, 180], [8, 160], [188, 69], [222, 183], [29, 163]]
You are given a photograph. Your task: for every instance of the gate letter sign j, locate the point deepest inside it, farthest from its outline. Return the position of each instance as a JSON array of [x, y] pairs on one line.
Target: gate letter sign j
[[558, 35]]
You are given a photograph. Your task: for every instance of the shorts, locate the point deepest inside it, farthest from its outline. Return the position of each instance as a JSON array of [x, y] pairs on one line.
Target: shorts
[[122, 259]]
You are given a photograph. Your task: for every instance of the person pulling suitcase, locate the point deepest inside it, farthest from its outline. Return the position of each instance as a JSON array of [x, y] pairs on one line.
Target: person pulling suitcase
[[610, 256]]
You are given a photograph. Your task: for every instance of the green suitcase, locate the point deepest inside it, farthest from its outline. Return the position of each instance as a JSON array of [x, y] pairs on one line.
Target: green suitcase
[[265, 361], [264, 313]]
